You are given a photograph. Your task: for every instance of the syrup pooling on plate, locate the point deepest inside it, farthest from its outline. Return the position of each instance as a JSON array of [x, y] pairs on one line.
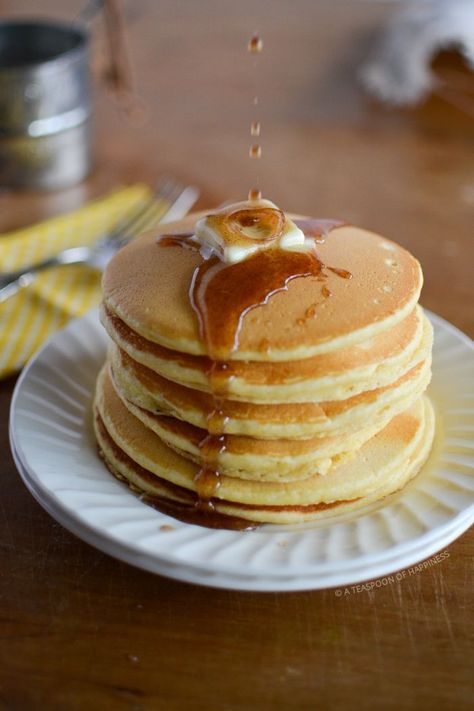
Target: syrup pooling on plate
[[195, 514], [186, 508]]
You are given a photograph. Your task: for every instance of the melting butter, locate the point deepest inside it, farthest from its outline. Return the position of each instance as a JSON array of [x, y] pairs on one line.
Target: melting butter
[[239, 230]]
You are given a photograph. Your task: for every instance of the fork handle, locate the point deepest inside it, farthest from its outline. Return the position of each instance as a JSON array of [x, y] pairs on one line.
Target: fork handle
[[12, 282]]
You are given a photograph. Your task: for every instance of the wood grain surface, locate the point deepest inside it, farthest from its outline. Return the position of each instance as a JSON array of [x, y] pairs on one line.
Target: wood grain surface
[[80, 630]]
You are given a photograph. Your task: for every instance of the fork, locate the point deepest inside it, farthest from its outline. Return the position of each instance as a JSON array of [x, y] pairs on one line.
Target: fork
[[179, 200]]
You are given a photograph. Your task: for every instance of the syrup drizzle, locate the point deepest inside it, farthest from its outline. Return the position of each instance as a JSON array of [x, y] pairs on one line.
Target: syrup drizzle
[[255, 128], [184, 508], [207, 479], [214, 443], [251, 283]]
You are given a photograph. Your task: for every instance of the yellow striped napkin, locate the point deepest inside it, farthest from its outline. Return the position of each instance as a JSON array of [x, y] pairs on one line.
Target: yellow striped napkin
[[61, 293]]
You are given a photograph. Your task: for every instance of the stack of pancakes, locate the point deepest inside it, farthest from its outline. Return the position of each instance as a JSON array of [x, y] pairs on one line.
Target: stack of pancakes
[[323, 408]]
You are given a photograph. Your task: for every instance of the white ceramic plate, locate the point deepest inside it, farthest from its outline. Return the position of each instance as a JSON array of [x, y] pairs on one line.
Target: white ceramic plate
[[54, 449]]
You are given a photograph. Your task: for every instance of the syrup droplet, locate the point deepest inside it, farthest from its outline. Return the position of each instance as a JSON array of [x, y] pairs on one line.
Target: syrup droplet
[[255, 44], [255, 194], [255, 128], [255, 151], [216, 418], [340, 272], [219, 379], [207, 479]]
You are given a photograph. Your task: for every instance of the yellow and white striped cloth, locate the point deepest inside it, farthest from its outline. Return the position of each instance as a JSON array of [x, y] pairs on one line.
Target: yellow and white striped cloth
[[61, 293]]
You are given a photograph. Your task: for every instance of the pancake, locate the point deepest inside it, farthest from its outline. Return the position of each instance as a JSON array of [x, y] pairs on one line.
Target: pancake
[[383, 465], [151, 392], [282, 385], [146, 285], [249, 457], [336, 376]]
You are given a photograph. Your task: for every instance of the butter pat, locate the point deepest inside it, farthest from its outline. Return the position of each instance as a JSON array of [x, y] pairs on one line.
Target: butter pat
[[239, 230]]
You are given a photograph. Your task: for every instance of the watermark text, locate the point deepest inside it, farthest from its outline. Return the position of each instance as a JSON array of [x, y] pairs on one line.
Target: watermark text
[[391, 579]]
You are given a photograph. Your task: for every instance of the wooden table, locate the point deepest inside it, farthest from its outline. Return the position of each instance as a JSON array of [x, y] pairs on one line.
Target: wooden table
[[83, 631]]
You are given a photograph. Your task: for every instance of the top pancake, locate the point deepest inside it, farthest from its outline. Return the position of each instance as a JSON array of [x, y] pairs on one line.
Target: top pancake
[[147, 286]]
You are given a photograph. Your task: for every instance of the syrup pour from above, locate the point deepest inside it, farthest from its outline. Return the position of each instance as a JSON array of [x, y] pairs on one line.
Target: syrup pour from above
[[222, 293], [249, 283], [254, 47], [228, 284]]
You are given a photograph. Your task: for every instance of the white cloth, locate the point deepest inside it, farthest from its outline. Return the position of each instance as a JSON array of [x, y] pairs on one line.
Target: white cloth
[[398, 71]]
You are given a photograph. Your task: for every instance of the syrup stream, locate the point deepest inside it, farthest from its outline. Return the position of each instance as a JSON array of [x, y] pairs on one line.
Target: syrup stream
[[254, 47]]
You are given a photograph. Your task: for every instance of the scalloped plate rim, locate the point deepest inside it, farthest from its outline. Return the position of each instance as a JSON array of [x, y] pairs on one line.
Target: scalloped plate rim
[[255, 582], [314, 569]]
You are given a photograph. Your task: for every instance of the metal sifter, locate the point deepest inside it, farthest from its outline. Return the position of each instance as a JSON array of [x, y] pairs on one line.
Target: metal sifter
[[45, 104]]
